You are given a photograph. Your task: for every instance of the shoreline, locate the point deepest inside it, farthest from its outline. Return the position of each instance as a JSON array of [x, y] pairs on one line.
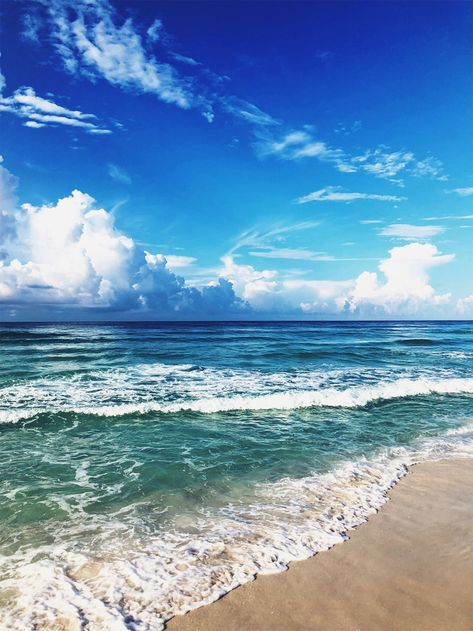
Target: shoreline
[[409, 567]]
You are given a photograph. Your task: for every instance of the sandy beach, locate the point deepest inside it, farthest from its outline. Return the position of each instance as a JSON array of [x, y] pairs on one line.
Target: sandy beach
[[409, 568]]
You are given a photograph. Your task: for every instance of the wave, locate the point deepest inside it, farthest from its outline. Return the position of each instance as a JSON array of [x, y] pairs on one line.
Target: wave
[[140, 581], [354, 397]]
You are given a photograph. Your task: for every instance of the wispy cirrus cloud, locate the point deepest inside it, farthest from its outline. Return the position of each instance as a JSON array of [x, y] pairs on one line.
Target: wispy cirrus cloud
[[389, 165], [262, 238], [301, 254], [430, 167], [118, 174], [336, 194], [247, 111], [380, 162], [31, 25], [409, 232], [346, 130], [297, 145], [97, 44], [463, 192], [445, 217], [294, 254], [40, 112]]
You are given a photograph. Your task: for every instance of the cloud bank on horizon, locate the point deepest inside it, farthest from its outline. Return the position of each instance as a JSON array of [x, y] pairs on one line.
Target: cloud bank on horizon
[[63, 256], [70, 256]]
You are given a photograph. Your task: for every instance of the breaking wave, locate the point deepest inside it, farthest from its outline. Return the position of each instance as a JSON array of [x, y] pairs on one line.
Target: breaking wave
[[353, 397]]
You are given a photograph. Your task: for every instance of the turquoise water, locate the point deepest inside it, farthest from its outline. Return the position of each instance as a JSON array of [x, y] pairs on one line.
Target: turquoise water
[[149, 468]]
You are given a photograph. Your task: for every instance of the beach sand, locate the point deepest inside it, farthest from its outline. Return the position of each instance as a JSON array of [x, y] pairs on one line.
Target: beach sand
[[409, 568]]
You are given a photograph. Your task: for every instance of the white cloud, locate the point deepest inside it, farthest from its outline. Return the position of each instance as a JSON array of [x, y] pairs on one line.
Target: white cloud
[[346, 130], [185, 59], [463, 192], [382, 163], [370, 221], [96, 43], [32, 24], [40, 112], [3, 82], [409, 232], [156, 31], [175, 261], [430, 167], [247, 111], [465, 306], [448, 217], [296, 254], [262, 239], [71, 255], [335, 194], [405, 289], [297, 145], [386, 164], [379, 162], [8, 186]]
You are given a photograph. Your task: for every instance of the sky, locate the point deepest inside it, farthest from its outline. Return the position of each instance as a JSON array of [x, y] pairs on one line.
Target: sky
[[236, 160]]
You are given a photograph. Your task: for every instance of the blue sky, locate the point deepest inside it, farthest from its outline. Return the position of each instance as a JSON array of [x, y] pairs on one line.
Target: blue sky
[[247, 159]]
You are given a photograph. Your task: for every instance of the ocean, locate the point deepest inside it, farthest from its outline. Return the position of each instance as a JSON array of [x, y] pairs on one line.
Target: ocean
[[149, 468]]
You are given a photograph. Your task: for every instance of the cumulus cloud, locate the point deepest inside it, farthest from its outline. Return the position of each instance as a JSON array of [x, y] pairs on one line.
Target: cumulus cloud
[[176, 261], [465, 306], [336, 194], [409, 232], [403, 289], [71, 255], [40, 112], [406, 288]]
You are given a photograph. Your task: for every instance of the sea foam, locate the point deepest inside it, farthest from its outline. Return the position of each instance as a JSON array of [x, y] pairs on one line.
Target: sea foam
[[136, 583], [353, 397]]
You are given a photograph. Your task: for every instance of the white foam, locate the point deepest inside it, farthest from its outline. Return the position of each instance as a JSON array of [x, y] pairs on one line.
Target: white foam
[[133, 580], [353, 397]]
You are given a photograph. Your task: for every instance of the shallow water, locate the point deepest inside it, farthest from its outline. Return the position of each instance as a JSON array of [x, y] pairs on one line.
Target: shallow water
[[148, 468]]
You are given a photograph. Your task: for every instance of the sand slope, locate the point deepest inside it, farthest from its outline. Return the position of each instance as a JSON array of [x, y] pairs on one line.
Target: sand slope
[[410, 568]]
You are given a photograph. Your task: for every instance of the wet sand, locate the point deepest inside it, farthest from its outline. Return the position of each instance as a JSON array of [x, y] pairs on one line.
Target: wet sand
[[409, 568]]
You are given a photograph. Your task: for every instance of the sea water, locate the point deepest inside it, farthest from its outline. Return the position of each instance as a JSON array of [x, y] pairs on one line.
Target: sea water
[[149, 468]]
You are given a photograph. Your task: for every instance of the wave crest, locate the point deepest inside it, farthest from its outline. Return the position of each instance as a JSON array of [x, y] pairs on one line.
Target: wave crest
[[354, 397]]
